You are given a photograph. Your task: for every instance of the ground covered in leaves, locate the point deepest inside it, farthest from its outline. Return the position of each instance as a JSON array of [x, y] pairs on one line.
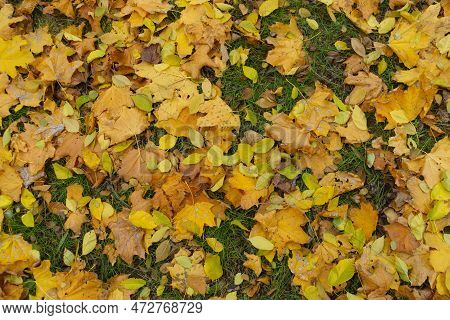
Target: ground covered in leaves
[[224, 149]]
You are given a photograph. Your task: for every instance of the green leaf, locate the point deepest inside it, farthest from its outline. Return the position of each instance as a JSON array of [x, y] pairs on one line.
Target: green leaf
[[215, 156], [132, 283], [250, 73], [264, 145], [6, 137], [402, 269], [342, 272], [142, 102], [263, 180], [290, 172]]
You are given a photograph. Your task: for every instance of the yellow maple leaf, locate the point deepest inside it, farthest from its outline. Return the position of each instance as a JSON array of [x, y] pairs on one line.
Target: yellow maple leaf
[[282, 227], [406, 41], [56, 67], [45, 281], [117, 119], [15, 254], [14, 54], [192, 219], [288, 55], [10, 182], [39, 39], [402, 106], [365, 217], [218, 113], [77, 284]]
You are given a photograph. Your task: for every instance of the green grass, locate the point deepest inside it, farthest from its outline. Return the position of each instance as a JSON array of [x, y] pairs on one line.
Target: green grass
[[55, 22], [378, 183]]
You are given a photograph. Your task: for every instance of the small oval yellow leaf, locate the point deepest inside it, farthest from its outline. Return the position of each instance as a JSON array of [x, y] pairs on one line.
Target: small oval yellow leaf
[[89, 242], [261, 243], [167, 142], [212, 267], [28, 219], [214, 244], [132, 283]]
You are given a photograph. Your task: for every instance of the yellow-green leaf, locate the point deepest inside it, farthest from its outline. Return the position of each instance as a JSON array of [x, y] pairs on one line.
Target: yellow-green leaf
[[167, 142], [61, 172], [218, 184], [96, 54], [196, 138], [107, 164], [359, 118], [28, 219], [90, 158], [341, 46], [261, 243], [142, 102], [439, 192], [193, 158], [263, 145], [165, 166], [27, 198], [96, 208], [312, 23], [267, 7], [439, 210], [214, 244], [290, 172], [250, 73], [212, 267], [215, 156], [89, 242], [5, 201], [184, 261], [142, 219], [132, 283], [342, 272], [386, 25], [310, 181], [68, 257], [402, 269]]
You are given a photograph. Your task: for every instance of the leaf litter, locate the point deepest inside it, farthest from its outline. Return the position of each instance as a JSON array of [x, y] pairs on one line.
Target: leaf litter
[[122, 133]]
